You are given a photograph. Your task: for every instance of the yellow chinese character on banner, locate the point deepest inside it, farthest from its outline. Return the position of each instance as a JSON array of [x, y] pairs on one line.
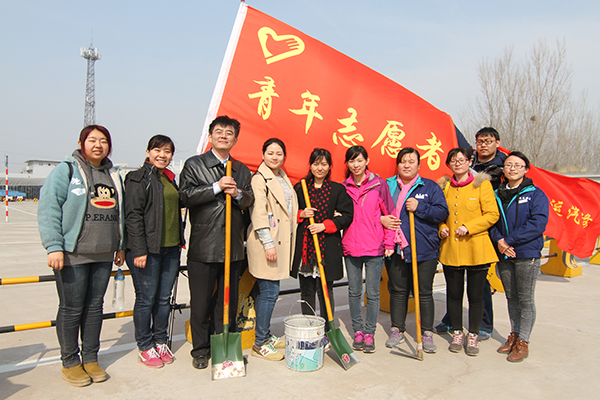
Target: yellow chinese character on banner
[[266, 94], [586, 219], [556, 207], [309, 109], [393, 136], [433, 158], [348, 140], [574, 212]]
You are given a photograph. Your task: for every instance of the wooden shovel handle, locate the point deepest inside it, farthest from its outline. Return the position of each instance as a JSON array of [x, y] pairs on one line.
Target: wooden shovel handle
[[415, 272], [227, 270], [318, 253]]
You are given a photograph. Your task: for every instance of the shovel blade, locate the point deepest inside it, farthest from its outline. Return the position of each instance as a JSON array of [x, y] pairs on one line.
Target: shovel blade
[[227, 360], [342, 349]]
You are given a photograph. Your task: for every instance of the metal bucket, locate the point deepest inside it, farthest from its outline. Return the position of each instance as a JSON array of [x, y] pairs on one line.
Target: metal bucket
[[304, 342]]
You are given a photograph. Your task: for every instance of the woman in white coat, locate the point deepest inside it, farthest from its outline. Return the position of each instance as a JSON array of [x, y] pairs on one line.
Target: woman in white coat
[[271, 240]]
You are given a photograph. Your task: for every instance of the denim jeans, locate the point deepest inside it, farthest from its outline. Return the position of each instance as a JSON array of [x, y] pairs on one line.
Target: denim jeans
[[519, 277], [400, 285], [373, 269], [81, 290], [268, 292], [153, 286], [455, 289]]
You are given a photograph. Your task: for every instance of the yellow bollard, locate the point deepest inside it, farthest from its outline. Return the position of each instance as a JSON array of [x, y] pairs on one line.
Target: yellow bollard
[[494, 279], [595, 258], [562, 265]]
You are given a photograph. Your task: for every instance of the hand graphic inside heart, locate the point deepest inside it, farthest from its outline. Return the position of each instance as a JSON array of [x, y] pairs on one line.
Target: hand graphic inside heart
[[286, 45]]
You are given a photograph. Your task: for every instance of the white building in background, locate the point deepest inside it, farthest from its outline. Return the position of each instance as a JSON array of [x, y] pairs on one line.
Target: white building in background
[[39, 168]]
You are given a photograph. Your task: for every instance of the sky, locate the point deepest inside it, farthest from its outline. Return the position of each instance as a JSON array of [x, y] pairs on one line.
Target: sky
[[160, 60]]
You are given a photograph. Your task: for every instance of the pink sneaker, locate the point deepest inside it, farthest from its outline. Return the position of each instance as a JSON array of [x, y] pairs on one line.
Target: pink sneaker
[[150, 358], [369, 344], [359, 341], [165, 353]]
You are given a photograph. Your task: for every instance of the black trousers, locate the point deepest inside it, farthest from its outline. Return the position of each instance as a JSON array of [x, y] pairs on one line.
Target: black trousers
[[309, 287], [455, 282], [206, 308], [400, 285]]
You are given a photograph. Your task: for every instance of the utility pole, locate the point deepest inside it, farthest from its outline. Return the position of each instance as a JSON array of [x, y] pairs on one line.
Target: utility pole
[[6, 188], [91, 55]]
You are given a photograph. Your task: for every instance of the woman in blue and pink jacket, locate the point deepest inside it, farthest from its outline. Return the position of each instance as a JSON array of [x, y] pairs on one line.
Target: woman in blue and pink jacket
[[365, 242]]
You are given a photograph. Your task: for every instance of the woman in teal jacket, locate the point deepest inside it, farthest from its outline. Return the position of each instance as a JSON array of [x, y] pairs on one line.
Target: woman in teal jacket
[[80, 219]]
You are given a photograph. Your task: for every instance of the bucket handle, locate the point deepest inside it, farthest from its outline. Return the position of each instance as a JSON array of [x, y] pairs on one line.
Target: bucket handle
[[303, 301]]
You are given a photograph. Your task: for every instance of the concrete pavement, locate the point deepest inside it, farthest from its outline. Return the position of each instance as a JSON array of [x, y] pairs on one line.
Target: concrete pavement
[[563, 361]]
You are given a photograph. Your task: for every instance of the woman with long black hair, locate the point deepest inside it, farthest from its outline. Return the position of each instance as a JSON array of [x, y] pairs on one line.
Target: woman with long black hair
[[332, 211]]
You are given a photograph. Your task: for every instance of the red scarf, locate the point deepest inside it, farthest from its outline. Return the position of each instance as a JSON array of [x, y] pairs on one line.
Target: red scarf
[[320, 198], [455, 183]]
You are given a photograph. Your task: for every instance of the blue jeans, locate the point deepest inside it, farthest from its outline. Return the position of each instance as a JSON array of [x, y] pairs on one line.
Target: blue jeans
[[519, 277], [373, 268], [268, 292], [81, 291], [153, 286]]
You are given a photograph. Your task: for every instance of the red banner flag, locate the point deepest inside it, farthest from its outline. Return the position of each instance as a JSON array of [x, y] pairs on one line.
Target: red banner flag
[[574, 219], [279, 82]]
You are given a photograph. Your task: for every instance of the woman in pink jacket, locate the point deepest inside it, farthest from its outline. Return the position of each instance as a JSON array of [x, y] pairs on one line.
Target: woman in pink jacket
[[365, 242]]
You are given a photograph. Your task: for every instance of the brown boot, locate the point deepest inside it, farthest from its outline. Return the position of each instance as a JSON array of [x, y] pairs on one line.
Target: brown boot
[[76, 376], [510, 342], [95, 372], [519, 352]]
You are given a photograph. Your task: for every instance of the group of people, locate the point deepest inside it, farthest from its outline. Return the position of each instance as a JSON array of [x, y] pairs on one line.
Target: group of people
[[91, 217]]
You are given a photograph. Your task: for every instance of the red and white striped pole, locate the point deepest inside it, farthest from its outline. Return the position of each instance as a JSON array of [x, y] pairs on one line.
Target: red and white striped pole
[[6, 189]]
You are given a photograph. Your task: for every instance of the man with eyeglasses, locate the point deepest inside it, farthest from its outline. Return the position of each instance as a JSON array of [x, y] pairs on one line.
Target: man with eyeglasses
[[203, 189], [489, 160]]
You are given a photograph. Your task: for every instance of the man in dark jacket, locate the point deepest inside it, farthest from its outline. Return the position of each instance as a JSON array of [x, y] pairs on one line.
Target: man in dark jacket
[[203, 189], [489, 160]]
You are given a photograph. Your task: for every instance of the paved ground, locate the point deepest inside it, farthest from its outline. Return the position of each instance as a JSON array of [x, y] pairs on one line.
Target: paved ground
[[563, 361]]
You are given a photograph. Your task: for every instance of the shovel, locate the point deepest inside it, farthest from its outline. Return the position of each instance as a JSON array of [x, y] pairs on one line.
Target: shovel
[[227, 360], [339, 343], [413, 251]]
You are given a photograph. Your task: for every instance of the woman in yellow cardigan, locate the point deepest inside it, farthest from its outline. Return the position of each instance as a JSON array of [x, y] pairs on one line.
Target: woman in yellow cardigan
[[466, 245]]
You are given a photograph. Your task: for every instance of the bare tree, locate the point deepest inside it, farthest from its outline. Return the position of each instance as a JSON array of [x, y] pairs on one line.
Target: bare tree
[[530, 103]]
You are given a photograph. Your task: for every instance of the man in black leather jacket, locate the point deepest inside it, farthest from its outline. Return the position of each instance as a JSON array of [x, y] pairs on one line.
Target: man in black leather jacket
[[203, 186]]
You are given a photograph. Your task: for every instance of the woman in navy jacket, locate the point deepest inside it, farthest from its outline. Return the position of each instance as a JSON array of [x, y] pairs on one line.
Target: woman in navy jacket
[[411, 192], [519, 239]]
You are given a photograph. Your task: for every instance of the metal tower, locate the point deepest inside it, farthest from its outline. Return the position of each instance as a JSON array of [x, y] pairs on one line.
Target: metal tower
[[91, 55]]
